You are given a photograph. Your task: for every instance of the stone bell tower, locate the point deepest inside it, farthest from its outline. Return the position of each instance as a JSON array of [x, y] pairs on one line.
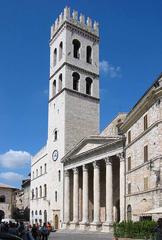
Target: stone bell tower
[[73, 110]]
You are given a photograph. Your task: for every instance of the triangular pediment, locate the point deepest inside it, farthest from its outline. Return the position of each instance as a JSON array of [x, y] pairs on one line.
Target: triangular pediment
[[89, 144]]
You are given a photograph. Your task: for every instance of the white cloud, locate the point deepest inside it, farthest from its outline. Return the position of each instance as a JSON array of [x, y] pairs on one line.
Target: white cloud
[[11, 176], [109, 69], [15, 159]]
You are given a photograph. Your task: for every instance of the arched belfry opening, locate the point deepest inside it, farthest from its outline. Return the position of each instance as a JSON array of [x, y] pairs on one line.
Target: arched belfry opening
[[88, 86], [55, 57], [60, 50], [76, 47], [76, 78], [60, 82], [89, 55], [54, 88]]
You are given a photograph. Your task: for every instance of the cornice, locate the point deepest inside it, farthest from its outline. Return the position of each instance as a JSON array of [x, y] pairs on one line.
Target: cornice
[[140, 108], [77, 29], [82, 70], [75, 93]]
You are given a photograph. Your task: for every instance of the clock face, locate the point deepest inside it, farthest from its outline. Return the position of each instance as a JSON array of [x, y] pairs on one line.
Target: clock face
[[55, 155]]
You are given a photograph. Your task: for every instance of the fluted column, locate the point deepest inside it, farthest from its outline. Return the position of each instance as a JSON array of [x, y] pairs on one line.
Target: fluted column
[[109, 191], [75, 195], [85, 194], [67, 197], [122, 186], [96, 192]]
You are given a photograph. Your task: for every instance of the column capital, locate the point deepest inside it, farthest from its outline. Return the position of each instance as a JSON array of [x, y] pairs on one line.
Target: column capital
[[85, 168], [121, 156], [75, 170], [108, 161], [95, 164], [66, 172]]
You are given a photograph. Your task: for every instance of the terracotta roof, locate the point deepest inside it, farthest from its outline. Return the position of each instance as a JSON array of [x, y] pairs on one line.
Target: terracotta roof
[[2, 185]]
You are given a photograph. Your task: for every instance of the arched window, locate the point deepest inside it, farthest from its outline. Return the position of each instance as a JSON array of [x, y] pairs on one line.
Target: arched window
[[54, 88], [60, 50], [76, 78], [55, 57], [33, 174], [55, 196], [45, 190], [40, 191], [129, 212], [76, 47], [36, 192], [45, 167], [59, 175], [40, 170], [2, 199], [60, 82], [40, 212], [36, 172], [32, 213], [32, 193], [45, 216], [89, 55], [36, 213], [55, 135], [88, 86]]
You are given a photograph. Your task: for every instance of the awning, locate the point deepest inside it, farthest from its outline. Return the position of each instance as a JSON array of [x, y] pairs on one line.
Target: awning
[[155, 211], [143, 207]]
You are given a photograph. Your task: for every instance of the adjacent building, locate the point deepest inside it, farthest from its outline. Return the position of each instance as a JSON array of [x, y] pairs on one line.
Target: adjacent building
[[7, 201]]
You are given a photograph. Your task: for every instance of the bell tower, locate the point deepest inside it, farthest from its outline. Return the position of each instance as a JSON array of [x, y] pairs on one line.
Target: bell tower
[[73, 106]]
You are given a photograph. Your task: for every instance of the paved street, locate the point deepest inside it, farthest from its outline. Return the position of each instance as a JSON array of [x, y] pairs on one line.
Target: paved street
[[73, 235]]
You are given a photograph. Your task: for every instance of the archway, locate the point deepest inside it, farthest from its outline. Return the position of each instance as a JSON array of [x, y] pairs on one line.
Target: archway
[[56, 221], [2, 215]]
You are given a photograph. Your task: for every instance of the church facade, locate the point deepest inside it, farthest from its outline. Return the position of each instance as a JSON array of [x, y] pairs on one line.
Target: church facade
[[82, 178]]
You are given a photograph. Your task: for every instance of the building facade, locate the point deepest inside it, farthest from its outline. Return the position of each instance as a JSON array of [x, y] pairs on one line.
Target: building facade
[[82, 179], [7, 201]]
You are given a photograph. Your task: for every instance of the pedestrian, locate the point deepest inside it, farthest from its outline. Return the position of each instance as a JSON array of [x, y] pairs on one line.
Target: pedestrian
[[34, 232], [44, 232], [158, 229]]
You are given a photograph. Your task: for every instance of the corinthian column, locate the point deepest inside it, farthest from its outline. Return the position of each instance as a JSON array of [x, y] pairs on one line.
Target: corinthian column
[[75, 195], [85, 194], [67, 197], [109, 188], [96, 192]]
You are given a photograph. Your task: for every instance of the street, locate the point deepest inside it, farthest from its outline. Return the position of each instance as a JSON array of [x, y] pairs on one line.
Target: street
[[79, 235]]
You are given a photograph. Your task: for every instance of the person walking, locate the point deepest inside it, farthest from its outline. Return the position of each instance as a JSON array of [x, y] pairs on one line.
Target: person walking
[[44, 232]]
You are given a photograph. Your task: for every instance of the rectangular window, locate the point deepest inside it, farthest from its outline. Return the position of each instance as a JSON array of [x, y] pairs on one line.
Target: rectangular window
[[146, 153], [129, 163], [145, 183], [129, 136], [129, 188], [145, 122]]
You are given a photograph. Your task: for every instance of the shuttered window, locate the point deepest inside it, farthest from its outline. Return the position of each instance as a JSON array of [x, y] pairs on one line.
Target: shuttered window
[[146, 153], [145, 183], [129, 136], [145, 122], [129, 163]]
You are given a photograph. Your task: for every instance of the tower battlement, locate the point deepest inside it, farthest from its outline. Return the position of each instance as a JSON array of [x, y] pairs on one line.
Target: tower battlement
[[75, 19]]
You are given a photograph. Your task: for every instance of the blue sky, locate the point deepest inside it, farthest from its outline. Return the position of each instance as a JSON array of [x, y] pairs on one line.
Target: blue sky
[[130, 59]]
